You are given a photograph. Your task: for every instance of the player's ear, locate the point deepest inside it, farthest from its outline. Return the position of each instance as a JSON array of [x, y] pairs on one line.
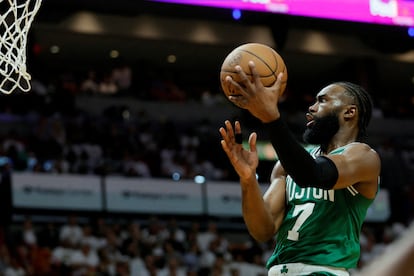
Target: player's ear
[[350, 112]]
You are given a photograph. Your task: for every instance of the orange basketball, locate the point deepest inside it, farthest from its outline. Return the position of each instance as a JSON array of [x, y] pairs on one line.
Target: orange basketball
[[268, 64]]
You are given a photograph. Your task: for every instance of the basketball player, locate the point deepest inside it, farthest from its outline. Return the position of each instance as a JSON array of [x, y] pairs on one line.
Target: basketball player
[[318, 198]]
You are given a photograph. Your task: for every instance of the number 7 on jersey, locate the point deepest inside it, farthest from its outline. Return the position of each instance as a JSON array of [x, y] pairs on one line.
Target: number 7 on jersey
[[302, 211]]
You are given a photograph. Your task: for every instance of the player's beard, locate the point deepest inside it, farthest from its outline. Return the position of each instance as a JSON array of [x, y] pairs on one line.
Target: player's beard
[[322, 130]]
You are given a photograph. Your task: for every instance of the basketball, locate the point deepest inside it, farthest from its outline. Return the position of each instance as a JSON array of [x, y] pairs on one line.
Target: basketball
[[268, 64]]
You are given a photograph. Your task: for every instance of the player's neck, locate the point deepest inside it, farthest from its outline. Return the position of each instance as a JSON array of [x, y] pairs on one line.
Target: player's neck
[[338, 141]]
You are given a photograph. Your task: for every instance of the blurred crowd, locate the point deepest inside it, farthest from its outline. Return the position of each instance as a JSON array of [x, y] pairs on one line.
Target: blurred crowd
[[149, 247], [154, 246], [86, 144]]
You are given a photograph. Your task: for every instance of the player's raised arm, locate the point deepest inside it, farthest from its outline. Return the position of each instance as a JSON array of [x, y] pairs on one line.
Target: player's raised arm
[[261, 215]]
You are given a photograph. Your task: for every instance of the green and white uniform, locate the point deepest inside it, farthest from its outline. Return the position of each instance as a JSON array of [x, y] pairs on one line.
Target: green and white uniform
[[321, 227]]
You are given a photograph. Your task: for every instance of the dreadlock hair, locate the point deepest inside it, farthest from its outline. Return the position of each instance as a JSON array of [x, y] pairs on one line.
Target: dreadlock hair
[[364, 104]]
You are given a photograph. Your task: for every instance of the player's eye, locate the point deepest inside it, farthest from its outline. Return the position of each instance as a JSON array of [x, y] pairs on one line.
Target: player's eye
[[322, 99]]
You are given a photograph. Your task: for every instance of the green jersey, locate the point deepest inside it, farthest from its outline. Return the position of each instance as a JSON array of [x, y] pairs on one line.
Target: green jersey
[[321, 227]]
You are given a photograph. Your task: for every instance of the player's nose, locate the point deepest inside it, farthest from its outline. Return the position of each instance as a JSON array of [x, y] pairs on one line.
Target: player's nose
[[312, 108]]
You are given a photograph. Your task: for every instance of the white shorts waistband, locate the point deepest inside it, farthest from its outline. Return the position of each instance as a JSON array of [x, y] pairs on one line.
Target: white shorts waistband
[[295, 269]]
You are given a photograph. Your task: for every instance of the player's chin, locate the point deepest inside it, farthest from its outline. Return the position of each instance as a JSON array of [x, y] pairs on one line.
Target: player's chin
[[310, 124]]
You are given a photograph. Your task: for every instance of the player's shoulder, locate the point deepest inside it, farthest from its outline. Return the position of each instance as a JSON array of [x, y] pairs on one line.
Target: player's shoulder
[[360, 147], [362, 151]]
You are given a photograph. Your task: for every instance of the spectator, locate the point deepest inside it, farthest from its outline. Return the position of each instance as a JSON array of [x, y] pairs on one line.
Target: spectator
[[83, 261], [88, 237], [29, 234], [107, 86], [191, 258], [90, 84], [173, 267], [14, 269], [71, 231], [136, 166], [206, 237], [61, 256], [122, 76]]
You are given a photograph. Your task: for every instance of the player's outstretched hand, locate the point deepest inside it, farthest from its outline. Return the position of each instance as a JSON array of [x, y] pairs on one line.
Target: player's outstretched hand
[[244, 161], [259, 100]]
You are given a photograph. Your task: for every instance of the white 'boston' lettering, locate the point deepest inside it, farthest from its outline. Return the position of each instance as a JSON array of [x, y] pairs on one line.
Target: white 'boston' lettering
[[317, 193], [300, 194], [295, 192]]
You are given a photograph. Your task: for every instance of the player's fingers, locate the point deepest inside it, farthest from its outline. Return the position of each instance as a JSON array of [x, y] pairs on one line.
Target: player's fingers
[[227, 134], [252, 141], [225, 148], [239, 100], [222, 132], [229, 129], [279, 81], [237, 127], [235, 88], [244, 80], [280, 77], [230, 82], [224, 135], [255, 74]]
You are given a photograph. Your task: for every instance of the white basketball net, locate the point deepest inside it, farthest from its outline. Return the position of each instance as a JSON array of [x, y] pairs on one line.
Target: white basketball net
[[15, 21]]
